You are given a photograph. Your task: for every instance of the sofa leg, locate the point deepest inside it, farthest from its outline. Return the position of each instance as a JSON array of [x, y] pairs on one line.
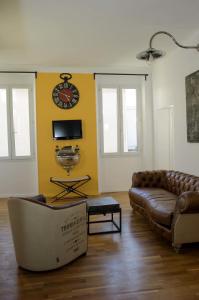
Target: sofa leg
[[177, 247]]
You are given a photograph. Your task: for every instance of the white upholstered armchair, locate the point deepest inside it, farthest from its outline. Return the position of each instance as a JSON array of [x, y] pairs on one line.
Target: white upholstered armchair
[[46, 237]]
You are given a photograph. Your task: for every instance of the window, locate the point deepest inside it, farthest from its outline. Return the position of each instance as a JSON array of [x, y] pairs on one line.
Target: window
[[129, 104], [15, 122], [109, 112], [119, 120]]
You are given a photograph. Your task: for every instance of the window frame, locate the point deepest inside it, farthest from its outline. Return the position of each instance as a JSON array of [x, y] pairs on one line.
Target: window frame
[[10, 122], [120, 136], [3, 86]]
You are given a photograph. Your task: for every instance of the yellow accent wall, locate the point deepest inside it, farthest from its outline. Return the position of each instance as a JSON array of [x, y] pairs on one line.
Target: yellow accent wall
[[46, 111]]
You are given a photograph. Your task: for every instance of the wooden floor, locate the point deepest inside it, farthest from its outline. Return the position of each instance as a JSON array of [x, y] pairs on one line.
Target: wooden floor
[[137, 264]]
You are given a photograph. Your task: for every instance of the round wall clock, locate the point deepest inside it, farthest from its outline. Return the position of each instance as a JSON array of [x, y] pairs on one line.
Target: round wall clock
[[65, 95]]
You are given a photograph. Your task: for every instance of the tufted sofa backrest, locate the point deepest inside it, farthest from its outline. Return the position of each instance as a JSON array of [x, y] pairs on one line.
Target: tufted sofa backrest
[[173, 181], [178, 182], [150, 179]]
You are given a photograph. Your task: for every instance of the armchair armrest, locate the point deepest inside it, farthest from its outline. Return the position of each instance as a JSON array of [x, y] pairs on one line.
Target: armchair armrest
[[41, 200], [67, 205], [149, 179], [188, 202]]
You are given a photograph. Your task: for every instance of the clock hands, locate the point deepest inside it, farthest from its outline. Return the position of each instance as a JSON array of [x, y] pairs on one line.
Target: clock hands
[[67, 96]]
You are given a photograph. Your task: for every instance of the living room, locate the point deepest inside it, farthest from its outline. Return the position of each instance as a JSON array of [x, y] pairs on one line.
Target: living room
[[97, 44]]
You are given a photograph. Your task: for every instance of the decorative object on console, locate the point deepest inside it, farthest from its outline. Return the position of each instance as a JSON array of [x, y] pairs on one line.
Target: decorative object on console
[[68, 157], [65, 95], [192, 102], [151, 53]]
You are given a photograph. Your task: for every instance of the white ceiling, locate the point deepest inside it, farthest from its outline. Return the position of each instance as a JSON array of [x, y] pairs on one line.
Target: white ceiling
[[95, 34]]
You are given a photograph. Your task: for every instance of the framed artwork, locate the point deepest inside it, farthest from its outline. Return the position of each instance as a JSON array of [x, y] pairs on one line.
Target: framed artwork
[[192, 105]]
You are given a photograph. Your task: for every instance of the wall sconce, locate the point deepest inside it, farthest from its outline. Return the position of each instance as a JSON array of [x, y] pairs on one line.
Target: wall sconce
[[151, 53]]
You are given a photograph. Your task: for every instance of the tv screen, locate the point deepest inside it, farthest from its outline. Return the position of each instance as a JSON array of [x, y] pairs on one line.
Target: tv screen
[[67, 129]]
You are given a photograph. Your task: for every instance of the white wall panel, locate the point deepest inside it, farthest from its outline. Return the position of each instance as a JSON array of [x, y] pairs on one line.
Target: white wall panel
[[169, 75]]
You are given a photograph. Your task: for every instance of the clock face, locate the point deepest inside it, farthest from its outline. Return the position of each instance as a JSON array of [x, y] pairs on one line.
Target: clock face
[[65, 95]]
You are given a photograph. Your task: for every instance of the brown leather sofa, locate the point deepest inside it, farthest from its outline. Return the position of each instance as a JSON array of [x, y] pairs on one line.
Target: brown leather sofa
[[170, 200]]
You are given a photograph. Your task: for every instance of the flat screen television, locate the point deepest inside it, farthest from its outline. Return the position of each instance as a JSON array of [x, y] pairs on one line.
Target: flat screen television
[[67, 129]]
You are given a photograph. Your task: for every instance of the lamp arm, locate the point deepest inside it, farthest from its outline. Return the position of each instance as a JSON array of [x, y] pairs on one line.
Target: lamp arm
[[174, 40]]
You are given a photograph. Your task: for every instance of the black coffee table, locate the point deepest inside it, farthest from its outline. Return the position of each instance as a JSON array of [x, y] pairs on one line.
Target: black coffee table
[[103, 206]]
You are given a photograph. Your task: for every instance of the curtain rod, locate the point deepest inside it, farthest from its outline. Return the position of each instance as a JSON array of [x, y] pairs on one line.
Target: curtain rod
[[24, 72], [145, 75]]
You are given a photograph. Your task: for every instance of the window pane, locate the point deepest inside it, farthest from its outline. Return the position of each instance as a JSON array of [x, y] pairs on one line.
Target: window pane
[[3, 124], [109, 111], [20, 103], [129, 119]]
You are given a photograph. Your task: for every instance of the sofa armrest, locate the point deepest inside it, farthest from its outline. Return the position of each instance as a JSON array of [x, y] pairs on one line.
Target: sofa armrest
[[188, 202], [149, 179]]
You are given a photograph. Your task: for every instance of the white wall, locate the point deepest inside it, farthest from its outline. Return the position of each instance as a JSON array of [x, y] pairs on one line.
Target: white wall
[[19, 177], [168, 80]]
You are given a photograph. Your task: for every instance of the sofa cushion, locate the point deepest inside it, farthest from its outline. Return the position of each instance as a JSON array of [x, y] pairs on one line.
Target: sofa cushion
[[142, 195], [162, 210], [158, 203]]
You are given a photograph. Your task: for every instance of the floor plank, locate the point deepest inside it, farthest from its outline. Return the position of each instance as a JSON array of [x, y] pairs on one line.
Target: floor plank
[[138, 264]]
